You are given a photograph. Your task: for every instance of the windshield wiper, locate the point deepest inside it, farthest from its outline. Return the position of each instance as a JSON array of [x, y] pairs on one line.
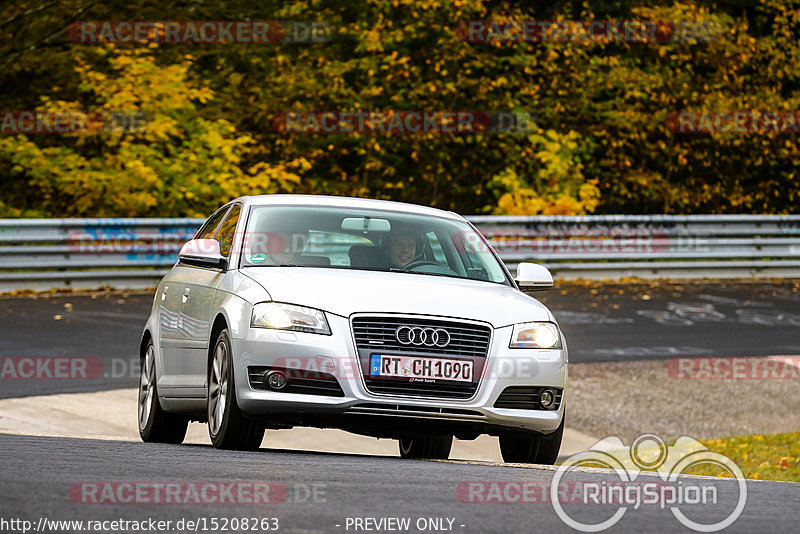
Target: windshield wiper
[[281, 265], [408, 271]]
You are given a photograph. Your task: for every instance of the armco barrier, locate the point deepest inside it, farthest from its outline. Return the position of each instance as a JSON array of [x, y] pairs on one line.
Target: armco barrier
[[89, 253], [650, 246], [135, 253]]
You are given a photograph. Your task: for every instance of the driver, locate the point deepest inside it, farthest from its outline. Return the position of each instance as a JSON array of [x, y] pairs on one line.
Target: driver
[[402, 249], [283, 248]]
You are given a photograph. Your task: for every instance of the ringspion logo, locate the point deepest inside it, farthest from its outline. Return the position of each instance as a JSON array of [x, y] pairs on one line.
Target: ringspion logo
[[680, 495]]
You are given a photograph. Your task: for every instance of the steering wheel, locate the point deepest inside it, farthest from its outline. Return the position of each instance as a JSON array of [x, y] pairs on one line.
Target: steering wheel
[[419, 263]]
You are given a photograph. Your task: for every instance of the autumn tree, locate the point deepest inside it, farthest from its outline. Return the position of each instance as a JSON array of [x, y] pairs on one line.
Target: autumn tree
[[155, 155], [601, 142]]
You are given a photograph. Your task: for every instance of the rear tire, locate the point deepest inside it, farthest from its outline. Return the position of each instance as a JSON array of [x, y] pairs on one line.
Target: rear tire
[[227, 426], [531, 447], [431, 447], [156, 425]]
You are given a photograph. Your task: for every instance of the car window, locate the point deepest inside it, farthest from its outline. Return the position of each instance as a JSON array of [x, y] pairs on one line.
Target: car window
[[367, 239], [335, 246], [436, 247], [477, 257], [226, 230], [207, 230]]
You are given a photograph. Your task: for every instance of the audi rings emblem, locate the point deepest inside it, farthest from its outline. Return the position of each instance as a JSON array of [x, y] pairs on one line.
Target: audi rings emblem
[[417, 335]]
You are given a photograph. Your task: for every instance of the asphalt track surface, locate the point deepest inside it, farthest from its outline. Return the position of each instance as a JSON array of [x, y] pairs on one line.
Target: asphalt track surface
[[323, 490], [602, 323], [607, 322]]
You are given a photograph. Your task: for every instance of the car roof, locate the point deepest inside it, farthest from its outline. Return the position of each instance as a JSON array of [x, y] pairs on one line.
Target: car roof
[[343, 202]]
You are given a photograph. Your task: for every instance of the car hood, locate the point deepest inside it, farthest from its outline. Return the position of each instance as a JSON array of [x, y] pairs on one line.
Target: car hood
[[348, 291]]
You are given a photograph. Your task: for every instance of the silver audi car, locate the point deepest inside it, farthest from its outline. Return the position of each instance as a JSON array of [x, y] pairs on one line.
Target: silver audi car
[[380, 318]]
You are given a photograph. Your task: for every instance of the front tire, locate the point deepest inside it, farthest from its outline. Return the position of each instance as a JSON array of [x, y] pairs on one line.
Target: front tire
[[531, 447], [426, 447], [227, 426], [156, 425]]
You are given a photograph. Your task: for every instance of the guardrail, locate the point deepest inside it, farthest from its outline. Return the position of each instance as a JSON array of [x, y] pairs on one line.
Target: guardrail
[[650, 246], [43, 254], [135, 253]]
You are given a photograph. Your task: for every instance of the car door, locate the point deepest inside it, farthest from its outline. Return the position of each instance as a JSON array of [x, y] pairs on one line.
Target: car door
[[169, 307], [174, 336], [198, 311]]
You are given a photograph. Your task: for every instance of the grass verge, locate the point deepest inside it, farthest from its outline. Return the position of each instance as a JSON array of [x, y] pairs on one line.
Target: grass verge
[[772, 457]]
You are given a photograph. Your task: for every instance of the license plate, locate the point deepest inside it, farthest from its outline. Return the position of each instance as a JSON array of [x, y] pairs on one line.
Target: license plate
[[420, 367]]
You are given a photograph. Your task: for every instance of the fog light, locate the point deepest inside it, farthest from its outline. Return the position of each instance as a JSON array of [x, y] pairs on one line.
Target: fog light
[[275, 380], [547, 398]]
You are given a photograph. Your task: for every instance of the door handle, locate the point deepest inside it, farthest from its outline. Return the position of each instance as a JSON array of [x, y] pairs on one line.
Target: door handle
[[185, 296]]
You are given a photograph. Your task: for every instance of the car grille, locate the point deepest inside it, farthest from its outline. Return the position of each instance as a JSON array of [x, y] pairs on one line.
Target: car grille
[[389, 408], [415, 389], [298, 381], [525, 398], [377, 335]]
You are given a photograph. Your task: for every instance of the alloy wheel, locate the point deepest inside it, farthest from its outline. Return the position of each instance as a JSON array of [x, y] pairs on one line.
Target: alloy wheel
[[146, 387], [218, 386]]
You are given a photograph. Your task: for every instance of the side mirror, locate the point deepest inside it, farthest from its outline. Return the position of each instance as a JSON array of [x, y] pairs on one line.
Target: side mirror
[[203, 253], [532, 277]]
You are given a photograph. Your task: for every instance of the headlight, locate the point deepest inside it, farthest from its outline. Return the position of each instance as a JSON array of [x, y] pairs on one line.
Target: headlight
[[289, 317], [535, 336]]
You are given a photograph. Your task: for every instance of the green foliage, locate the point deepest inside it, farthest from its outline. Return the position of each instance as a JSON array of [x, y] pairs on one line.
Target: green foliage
[[602, 143], [546, 177], [176, 163], [771, 457]]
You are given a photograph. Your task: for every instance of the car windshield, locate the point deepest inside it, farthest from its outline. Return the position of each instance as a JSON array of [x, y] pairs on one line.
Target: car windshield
[[367, 239]]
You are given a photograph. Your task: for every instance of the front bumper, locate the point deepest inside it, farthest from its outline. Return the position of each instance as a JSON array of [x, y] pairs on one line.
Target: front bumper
[[336, 355]]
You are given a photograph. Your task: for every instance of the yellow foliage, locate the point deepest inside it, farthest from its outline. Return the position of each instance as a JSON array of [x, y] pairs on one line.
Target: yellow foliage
[[176, 164], [555, 185]]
